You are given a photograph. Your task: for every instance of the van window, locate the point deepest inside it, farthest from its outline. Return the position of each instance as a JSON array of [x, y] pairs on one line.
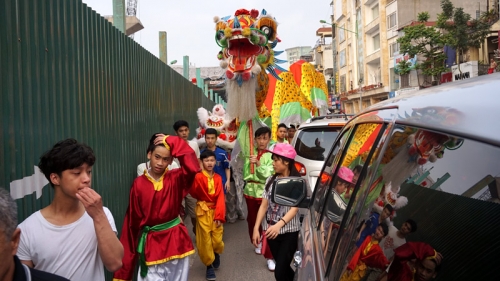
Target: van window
[[314, 144], [443, 192], [348, 176], [323, 184]]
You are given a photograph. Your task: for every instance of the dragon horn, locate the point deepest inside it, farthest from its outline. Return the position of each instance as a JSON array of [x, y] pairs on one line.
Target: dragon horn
[[271, 70], [264, 12], [280, 68], [236, 23]]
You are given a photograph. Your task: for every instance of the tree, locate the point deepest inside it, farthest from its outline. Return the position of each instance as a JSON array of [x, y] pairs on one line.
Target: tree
[[425, 41], [403, 69], [460, 32]]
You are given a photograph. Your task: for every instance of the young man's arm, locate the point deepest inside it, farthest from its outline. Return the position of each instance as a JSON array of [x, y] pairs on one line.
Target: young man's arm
[[228, 179], [110, 248], [181, 150], [264, 168]]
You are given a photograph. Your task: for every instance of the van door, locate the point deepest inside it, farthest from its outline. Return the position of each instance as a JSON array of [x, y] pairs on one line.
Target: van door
[[341, 214], [319, 229], [440, 193]]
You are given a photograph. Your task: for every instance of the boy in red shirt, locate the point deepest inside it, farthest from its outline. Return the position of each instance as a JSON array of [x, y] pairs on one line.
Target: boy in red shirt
[[210, 212]]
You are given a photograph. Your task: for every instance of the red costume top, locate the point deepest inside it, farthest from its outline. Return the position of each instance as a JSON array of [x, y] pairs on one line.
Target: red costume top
[[374, 257], [400, 270], [200, 191], [152, 204]]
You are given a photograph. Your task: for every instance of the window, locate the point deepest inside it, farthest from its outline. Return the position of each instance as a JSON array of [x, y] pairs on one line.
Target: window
[[376, 42], [342, 187], [350, 54], [322, 184], [342, 84], [375, 12], [342, 61], [447, 184], [307, 142], [341, 32], [391, 20], [394, 49]]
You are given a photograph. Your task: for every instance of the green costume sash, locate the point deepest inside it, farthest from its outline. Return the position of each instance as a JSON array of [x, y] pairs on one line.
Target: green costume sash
[[142, 241]]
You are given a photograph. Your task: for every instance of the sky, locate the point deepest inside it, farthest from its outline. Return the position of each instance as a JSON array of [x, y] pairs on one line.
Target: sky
[[191, 30]]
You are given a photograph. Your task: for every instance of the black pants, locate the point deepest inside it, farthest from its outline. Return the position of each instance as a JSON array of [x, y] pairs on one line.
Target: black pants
[[283, 248]]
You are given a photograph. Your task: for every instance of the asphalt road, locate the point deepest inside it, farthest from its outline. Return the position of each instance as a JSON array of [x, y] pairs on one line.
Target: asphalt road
[[238, 262]]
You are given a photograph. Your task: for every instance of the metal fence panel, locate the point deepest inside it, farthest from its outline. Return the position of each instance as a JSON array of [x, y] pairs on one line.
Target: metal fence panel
[[67, 72]]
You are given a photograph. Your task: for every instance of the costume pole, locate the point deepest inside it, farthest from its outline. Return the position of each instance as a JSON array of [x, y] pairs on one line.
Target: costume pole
[[250, 136]]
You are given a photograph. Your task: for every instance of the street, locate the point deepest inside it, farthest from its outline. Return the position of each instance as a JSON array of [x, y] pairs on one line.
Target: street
[[238, 262]]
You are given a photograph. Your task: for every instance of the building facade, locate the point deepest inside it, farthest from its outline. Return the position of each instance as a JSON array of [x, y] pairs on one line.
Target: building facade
[[294, 54], [323, 55], [366, 36]]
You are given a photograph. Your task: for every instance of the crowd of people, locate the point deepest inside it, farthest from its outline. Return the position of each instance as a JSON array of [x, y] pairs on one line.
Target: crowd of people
[[75, 236]]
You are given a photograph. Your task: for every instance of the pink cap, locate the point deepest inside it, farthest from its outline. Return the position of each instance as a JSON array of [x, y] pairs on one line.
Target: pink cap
[[285, 150], [346, 174]]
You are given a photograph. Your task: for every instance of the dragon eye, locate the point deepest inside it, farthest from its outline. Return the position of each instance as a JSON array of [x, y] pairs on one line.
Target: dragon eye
[[220, 34], [266, 30]]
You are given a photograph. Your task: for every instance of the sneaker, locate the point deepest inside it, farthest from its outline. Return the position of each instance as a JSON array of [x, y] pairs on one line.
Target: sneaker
[[241, 217], [210, 273], [216, 263], [271, 265], [258, 250]]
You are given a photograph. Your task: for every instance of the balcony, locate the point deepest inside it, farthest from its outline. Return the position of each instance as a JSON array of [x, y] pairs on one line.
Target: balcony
[[373, 58], [373, 26]]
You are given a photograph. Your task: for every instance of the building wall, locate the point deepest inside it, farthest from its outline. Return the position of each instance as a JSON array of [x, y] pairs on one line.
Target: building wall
[[293, 54], [408, 10]]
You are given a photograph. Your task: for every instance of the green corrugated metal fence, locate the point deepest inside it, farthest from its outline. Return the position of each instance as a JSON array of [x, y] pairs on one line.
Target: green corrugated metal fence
[[67, 72]]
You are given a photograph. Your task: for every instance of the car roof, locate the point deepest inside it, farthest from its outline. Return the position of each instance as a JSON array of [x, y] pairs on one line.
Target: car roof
[[327, 120], [468, 108]]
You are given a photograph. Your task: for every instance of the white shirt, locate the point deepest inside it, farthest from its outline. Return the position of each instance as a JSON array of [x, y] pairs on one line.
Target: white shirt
[[69, 251], [391, 242], [194, 146], [145, 166]]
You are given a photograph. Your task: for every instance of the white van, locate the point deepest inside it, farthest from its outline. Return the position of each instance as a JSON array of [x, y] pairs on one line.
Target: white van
[[434, 156]]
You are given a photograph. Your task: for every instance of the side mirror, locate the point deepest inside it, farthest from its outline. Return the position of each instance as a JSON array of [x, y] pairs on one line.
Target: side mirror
[[289, 191], [336, 207]]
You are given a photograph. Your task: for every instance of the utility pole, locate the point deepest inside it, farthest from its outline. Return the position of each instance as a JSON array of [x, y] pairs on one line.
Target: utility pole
[[119, 15], [185, 67], [162, 36]]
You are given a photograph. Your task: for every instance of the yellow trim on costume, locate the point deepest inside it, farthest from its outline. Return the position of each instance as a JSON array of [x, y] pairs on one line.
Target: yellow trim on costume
[[432, 257], [165, 142], [211, 184], [148, 263], [369, 246], [114, 279], [157, 185]]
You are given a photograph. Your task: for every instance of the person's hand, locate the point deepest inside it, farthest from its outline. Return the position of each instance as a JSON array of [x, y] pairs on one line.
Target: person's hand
[[317, 142], [358, 236], [218, 223], [256, 238], [228, 186], [159, 139], [272, 231], [254, 160], [91, 200]]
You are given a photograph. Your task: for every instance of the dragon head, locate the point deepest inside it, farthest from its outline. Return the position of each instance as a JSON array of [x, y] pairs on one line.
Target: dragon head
[[245, 40]]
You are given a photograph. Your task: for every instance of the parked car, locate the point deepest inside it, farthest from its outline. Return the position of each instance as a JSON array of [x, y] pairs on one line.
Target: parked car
[[434, 156], [312, 142]]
